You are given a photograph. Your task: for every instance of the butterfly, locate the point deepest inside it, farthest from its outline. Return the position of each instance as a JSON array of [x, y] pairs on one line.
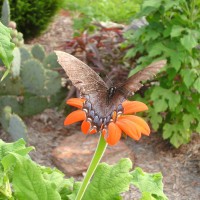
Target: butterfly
[[102, 100]]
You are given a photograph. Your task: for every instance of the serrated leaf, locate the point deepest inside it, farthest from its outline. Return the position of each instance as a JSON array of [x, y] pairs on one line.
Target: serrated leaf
[[109, 181], [160, 105], [155, 118], [18, 146], [150, 184], [29, 183], [64, 186], [197, 84], [6, 46]]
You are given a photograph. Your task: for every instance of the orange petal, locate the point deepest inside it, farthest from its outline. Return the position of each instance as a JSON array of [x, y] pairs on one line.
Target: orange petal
[[129, 128], [85, 127], [76, 102], [94, 130], [133, 107], [114, 134], [75, 116], [144, 127]]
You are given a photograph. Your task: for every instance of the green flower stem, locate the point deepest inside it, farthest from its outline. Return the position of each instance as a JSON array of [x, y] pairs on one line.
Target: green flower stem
[[101, 147]]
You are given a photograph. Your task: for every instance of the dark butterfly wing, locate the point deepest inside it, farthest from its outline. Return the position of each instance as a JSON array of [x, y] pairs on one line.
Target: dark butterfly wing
[[133, 83], [90, 84], [82, 76]]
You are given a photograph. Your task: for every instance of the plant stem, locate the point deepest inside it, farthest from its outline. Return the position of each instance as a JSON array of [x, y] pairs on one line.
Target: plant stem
[[101, 147]]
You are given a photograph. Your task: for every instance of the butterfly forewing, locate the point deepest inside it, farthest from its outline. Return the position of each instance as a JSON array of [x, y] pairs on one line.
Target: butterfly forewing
[[81, 75]]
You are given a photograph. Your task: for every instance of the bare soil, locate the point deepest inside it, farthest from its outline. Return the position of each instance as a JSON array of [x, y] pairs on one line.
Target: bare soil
[[180, 167]]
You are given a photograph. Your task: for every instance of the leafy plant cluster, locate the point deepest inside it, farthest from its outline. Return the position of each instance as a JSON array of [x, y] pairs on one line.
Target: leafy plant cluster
[[102, 51], [172, 33], [85, 12], [33, 17], [17, 37], [21, 178]]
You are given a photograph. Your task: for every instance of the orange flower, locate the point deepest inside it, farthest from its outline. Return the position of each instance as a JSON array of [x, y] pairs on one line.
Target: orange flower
[[112, 128]]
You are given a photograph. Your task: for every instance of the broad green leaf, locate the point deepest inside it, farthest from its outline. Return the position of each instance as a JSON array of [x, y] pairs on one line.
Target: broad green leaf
[[176, 30], [64, 186], [197, 84], [5, 187], [150, 184], [189, 42], [109, 181], [18, 147], [6, 46], [28, 182]]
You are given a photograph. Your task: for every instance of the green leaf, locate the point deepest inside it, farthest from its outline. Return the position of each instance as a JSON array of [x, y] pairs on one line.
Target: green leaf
[[74, 193], [189, 42], [167, 131], [18, 146], [150, 185], [187, 120], [176, 30], [160, 105], [6, 46], [197, 84], [109, 181], [29, 183], [64, 186], [188, 76], [155, 118], [173, 100]]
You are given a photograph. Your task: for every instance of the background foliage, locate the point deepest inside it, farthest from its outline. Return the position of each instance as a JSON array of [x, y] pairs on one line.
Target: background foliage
[[33, 17], [119, 11], [172, 34]]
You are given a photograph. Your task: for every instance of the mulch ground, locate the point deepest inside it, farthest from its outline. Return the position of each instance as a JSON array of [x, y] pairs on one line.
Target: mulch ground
[[180, 167]]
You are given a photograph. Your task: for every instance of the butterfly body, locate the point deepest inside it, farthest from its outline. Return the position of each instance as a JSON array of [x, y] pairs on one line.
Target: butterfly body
[[102, 101]]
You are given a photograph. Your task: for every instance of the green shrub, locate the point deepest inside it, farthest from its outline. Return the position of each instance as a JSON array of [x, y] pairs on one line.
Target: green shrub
[[33, 17], [173, 34], [119, 11]]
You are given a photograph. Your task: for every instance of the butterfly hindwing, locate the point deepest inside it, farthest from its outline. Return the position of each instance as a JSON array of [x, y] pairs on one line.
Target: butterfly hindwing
[[133, 83]]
